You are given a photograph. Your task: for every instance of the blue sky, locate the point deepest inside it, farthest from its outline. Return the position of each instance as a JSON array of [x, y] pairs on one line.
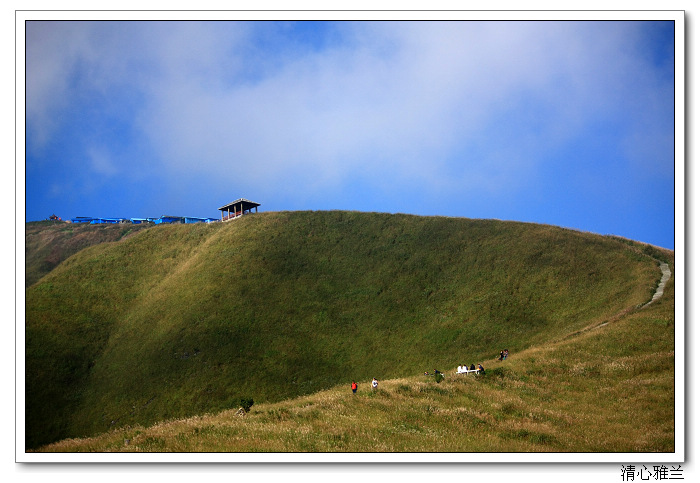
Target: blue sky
[[562, 123]]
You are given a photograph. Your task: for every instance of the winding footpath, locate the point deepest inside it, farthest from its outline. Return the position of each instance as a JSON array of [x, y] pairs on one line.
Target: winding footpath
[[665, 275]]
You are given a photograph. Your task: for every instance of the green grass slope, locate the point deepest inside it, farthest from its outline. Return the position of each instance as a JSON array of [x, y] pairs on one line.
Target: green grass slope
[[603, 390], [48, 243], [184, 320]]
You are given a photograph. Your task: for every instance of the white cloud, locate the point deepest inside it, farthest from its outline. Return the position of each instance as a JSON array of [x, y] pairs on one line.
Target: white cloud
[[52, 50], [419, 101]]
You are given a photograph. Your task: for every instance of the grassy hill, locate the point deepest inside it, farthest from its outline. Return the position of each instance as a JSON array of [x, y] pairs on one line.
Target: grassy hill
[[48, 243], [608, 389], [177, 321]]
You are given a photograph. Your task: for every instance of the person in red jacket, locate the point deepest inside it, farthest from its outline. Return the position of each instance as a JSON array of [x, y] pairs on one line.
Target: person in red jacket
[[354, 387]]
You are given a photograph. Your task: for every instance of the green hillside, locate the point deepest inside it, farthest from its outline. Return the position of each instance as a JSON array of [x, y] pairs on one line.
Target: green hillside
[[608, 389], [188, 319], [48, 243]]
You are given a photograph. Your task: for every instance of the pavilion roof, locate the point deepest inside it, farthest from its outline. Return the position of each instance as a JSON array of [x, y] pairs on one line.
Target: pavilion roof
[[246, 204]]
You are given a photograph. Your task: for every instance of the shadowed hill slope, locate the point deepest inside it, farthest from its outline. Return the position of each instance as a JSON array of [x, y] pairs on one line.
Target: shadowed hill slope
[[608, 389], [182, 320]]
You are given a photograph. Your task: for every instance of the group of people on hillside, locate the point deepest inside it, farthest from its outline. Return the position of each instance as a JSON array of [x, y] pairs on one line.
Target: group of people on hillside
[[504, 355], [375, 385], [463, 369]]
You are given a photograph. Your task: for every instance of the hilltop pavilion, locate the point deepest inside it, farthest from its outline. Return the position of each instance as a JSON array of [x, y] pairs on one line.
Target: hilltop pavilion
[[237, 208]]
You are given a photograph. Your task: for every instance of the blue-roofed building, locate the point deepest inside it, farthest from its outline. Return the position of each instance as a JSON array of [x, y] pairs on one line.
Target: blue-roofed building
[[182, 219], [111, 221], [165, 219], [169, 219], [81, 219], [192, 219]]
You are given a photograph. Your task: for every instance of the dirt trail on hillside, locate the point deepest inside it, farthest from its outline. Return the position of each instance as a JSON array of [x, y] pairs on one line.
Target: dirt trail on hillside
[[665, 276]]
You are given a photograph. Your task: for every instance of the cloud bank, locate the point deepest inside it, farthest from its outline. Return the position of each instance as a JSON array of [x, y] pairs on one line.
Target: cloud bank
[[454, 111]]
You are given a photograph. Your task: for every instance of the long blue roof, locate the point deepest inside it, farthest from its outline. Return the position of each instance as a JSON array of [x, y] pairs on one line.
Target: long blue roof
[[163, 219]]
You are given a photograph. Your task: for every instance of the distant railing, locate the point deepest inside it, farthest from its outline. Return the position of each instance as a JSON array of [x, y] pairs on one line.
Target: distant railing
[[232, 215]]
